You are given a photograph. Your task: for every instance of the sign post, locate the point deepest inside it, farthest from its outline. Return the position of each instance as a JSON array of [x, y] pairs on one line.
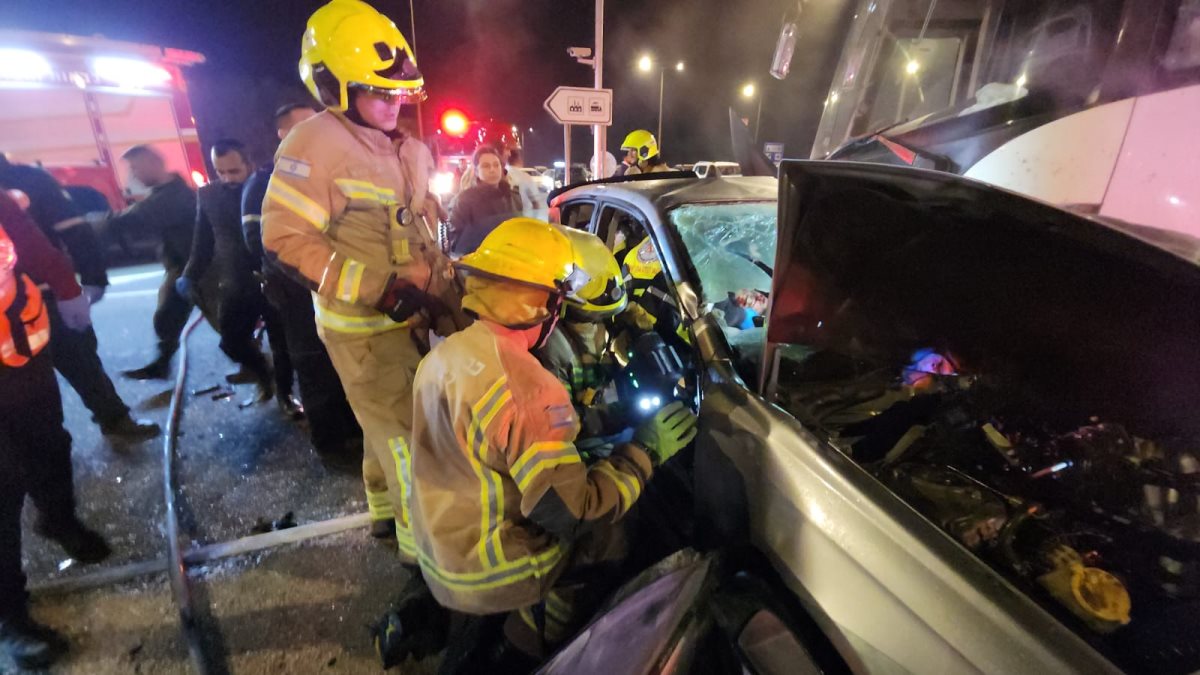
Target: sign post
[[774, 152], [579, 105]]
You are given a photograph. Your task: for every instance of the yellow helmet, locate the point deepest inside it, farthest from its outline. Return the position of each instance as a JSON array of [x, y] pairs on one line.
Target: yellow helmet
[[525, 251], [602, 294], [642, 142], [349, 44]]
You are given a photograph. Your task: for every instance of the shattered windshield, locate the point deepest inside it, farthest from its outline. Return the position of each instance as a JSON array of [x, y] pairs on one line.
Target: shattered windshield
[[731, 246]]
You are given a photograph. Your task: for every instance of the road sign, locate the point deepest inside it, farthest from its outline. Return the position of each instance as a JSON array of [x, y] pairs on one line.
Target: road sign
[[581, 105], [774, 152]]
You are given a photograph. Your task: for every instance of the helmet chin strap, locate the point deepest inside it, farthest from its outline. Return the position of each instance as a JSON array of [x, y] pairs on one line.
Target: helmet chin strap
[[554, 305]]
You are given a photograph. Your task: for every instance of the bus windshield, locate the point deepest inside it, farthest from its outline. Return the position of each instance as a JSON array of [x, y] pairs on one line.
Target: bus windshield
[[910, 60]]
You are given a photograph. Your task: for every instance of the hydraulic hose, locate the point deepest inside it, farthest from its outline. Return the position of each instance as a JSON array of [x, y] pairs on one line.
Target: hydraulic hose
[[203, 661]]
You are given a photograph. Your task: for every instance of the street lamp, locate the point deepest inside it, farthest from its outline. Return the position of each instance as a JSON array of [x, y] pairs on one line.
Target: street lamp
[[646, 64], [748, 92]]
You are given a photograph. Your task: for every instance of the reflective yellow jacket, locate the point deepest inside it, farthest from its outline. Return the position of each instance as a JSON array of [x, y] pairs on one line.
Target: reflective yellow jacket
[[336, 218], [499, 490]]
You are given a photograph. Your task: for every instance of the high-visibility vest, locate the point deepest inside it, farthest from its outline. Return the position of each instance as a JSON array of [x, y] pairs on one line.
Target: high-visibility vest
[[24, 322]]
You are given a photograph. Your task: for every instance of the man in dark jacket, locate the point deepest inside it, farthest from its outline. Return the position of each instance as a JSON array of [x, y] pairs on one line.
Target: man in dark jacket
[[170, 208], [75, 353], [35, 449], [218, 242], [332, 428]]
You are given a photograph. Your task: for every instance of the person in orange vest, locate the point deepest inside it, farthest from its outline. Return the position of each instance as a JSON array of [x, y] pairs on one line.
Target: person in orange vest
[[35, 449]]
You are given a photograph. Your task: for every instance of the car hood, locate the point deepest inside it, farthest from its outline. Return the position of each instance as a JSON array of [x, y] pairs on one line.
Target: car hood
[[885, 261]]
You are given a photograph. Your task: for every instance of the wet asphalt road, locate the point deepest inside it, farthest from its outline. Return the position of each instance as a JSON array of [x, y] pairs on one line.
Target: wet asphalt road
[[300, 608]]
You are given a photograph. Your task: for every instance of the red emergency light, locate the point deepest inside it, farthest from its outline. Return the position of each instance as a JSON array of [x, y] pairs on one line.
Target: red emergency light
[[455, 123]]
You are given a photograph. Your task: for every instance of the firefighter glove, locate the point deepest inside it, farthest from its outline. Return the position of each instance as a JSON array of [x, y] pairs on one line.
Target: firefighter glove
[[402, 300], [667, 432], [76, 313]]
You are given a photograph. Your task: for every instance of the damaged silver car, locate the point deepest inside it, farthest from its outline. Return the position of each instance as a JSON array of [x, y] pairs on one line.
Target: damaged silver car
[[962, 438]]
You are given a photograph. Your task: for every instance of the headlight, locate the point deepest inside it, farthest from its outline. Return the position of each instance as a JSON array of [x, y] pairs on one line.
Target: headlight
[[443, 183]]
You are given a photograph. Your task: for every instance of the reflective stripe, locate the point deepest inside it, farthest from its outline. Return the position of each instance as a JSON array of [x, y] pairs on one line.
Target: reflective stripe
[[297, 203], [491, 490], [405, 541], [627, 485], [251, 218], [661, 295], [403, 458], [350, 280], [379, 506], [541, 456], [523, 568], [361, 189], [376, 323], [64, 225]]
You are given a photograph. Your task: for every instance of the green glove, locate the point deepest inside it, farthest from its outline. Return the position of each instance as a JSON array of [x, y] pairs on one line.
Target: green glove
[[668, 432]]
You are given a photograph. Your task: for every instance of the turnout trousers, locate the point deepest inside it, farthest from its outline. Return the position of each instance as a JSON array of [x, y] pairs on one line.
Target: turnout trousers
[[377, 372]]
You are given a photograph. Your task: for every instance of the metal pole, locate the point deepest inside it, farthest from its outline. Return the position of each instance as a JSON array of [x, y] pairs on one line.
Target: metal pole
[[412, 23], [662, 79], [758, 117], [601, 150], [566, 155]]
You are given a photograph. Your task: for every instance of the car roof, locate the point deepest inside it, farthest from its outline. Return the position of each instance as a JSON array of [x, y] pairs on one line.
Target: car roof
[[674, 189]]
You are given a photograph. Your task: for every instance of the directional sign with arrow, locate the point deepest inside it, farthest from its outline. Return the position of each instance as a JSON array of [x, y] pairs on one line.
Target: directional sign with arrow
[[581, 105]]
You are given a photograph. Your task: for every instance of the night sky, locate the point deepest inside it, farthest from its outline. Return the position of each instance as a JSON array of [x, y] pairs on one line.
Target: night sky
[[496, 58]]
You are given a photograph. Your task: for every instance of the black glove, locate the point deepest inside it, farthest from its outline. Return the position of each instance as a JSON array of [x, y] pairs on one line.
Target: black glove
[[402, 300]]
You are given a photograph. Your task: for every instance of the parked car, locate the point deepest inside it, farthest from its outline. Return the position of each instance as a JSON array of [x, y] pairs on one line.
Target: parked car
[[963, 439], [706, 169]]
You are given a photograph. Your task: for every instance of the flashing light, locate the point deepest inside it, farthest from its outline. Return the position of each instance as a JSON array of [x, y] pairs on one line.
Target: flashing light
[[645, 64], [23, 64], [443, 183], [679, 67], [455, 123], [199, 179], [748, 90], [130, 72], [912, 67]]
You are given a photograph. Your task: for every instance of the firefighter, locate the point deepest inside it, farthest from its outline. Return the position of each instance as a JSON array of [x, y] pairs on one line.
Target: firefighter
[[332, 429], [170, 210], [338, 218], [35, 449], [75, 353], [503, 504], [644, 147], [652, 304], [577, 352], [217, 241]]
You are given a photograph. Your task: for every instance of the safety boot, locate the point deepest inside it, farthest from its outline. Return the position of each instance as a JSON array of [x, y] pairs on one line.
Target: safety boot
[[130, 429], [28, 643], [158, 369], [383, 528], [79, 541]]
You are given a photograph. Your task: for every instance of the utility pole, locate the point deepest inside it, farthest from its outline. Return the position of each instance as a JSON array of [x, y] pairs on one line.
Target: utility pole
[[662, 81], [600, 133], [412, 23]]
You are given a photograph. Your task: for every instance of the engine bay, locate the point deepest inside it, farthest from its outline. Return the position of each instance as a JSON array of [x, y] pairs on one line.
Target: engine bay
[[1096, 523]]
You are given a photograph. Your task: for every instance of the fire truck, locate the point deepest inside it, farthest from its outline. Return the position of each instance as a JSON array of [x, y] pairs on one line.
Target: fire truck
[[74, 104], [1087, 104]]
